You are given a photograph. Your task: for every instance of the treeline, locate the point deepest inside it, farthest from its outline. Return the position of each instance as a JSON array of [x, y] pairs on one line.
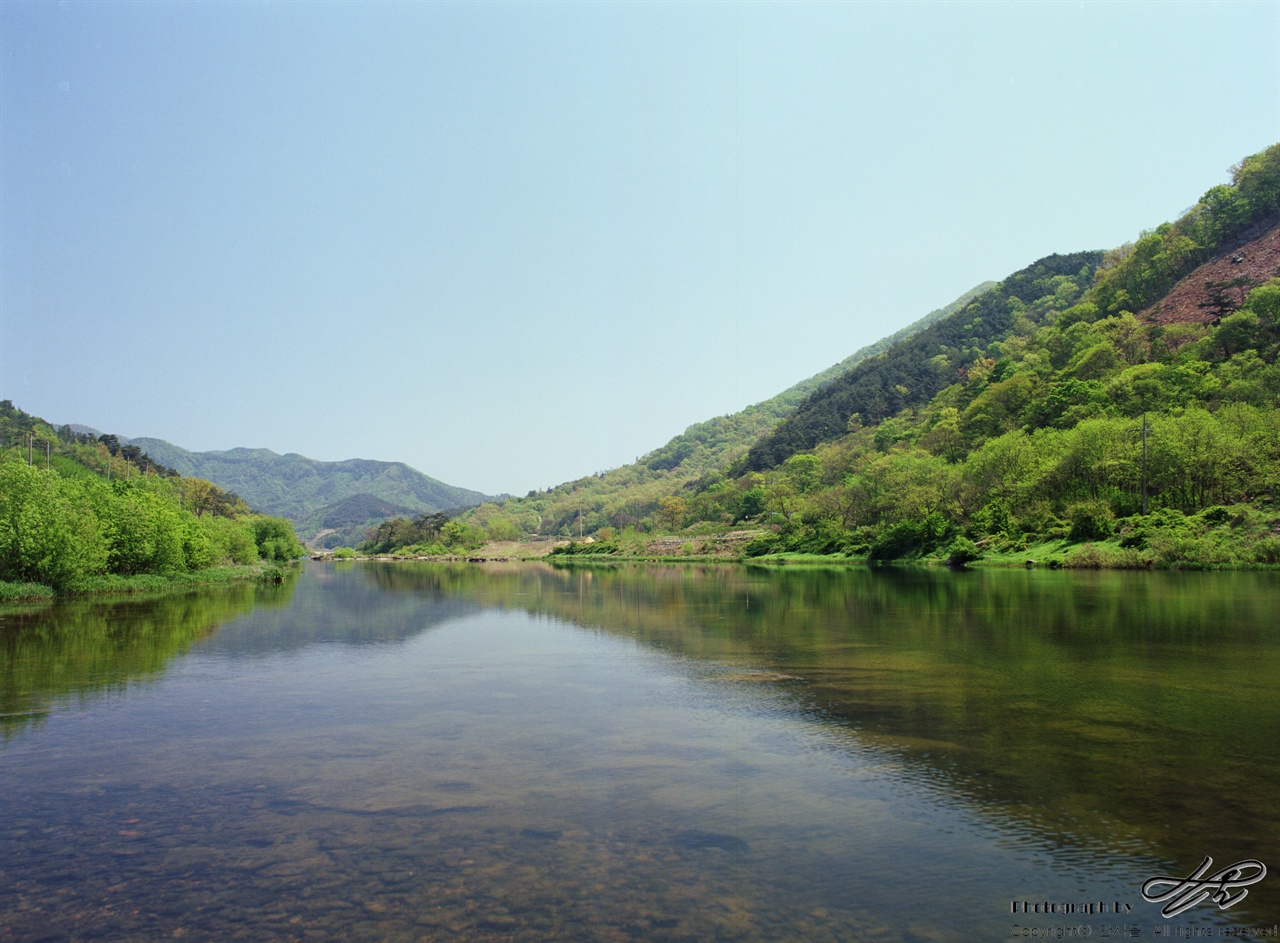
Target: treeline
[[1130, 279], [628, 496], [68, 533], [79, 513], [29, 437], [1140, 274], [432, 534], [1062, 434]]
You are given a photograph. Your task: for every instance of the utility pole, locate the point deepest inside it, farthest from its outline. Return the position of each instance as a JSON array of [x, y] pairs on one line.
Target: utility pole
[[46, 456], [1144, 464]]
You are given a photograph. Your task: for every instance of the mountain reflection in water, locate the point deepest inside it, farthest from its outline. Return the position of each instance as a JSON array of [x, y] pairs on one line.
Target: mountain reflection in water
[[430, 751]]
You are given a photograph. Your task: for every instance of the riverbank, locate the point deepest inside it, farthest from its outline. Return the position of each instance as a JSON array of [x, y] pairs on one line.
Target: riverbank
[[1218, 544], [143, 583]]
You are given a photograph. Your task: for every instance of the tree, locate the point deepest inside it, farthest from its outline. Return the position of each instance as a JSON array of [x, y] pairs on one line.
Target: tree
[[671, 512], [146, 532], [803, 470], [275, 539], [48, 531], [197, 495]]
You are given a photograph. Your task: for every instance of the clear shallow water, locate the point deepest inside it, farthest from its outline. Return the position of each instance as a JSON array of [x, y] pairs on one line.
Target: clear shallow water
[[423, 752]]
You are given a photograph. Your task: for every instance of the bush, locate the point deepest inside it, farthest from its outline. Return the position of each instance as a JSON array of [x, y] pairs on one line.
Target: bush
[[146, 532], [1136, 532], [1215, 515], [276, 540], [233, 541], [962, 552], [762, 546], [198, 551], [1267, 550], [1097, 556], [1186, 549], [909, 538], [1090, 520], [594, 549]]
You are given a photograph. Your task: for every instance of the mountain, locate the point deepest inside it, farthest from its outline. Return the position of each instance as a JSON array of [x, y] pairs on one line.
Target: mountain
[[712, 443], [317, 496], [345, 523], [1112, 408], [623, 495], [913, 371]]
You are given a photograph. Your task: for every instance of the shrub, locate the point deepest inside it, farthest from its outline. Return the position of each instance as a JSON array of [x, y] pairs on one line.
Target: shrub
[[1090, 520], [1267, 550], [233, 541], [762, 545], [146, 532], [275, 539], [909, 538], [962, 552], [1215, 515]]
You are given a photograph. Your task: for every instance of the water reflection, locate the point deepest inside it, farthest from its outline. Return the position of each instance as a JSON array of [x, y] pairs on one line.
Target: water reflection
[[527, 752], [85, 648], [1113, 712]]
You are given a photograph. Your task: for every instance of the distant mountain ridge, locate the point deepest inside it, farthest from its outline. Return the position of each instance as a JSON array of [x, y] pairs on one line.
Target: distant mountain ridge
[[317, 496]]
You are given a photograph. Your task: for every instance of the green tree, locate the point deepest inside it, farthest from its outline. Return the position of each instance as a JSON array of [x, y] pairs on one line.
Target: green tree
[[671, 512], [145, 531], [276, 539], [48, 532]]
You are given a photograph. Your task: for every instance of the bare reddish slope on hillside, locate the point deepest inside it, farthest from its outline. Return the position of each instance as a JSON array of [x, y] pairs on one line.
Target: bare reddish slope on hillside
[[1195, 299]]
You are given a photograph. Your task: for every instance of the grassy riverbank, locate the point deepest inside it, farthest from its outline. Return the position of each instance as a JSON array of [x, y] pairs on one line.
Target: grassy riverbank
[[1238, 536], [110, 584]]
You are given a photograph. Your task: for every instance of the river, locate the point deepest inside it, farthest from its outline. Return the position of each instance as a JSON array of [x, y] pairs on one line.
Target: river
[[520, 752]]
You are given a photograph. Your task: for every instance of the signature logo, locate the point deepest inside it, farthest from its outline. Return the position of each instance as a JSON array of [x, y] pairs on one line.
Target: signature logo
[[1226, 886]]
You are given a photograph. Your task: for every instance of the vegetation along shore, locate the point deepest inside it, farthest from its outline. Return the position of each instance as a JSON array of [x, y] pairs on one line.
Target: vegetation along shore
[[83, 515]]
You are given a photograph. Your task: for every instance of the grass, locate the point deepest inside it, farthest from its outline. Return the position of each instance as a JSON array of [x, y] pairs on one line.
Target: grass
[[23, 592], [1045, 553], [796, 558], [111, 584]]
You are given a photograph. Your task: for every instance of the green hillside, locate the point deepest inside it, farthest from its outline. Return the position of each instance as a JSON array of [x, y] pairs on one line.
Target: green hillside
[[314, 494], [912, 372], [712, 444], [623, 496], [1053, 417], [346, 522]]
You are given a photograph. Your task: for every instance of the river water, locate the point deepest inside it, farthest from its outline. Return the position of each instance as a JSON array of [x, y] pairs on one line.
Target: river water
[[521, 752]]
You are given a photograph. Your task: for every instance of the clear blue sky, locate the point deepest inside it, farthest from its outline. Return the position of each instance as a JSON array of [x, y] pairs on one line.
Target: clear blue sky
[[513, 244]]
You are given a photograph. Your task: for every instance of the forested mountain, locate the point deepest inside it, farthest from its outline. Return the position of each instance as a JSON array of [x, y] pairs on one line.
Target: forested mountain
[[713, 443], [912, 372], [622, 496], [316, 495], [1126, 397], [346, 522]]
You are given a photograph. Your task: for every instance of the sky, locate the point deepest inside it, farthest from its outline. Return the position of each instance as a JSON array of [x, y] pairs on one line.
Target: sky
[[512, 244]]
